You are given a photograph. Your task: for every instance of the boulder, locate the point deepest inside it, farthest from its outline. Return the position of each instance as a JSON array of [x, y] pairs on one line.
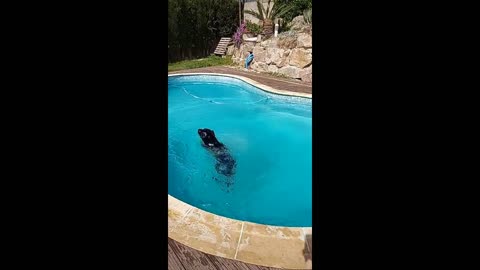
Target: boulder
[[230, 49], [298, 23], [274, 55], [287, 42], [267, 43], [282, 61], [260, 66], [236, 52], [248, 47], [307, 29], [300, 58], [272, 68], [259, 53], [306, 74], [304, 41], [289, 71]]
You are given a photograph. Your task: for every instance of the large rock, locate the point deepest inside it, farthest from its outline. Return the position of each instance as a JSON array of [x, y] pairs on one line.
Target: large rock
[[274, 55], [267, 43], [304, 41], [272, 68], [287, 42], [257, 49], [230, 49], [259, 53], [289, 71], [241, 53], [283, 61], [306, 74], [298, 23], [307, 29], [238, 52], [300, 58], [260, 66], [248, 47]]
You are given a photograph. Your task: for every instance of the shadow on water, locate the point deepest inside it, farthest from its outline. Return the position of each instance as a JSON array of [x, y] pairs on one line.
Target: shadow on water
[[307, 249]]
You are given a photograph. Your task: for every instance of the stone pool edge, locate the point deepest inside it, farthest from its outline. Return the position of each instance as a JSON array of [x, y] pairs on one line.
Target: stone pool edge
[[263, 87], [272, 246]]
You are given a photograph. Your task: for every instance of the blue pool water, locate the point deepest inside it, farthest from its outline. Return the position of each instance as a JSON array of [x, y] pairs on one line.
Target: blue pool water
[[269, 136]]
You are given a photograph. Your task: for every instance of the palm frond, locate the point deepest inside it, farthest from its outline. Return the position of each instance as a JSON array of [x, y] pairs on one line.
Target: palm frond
[[260, 9], [268, 9], [281, 10], [254, 13]]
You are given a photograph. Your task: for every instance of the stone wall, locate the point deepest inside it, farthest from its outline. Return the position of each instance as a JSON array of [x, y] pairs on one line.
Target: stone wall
[[288, 54]]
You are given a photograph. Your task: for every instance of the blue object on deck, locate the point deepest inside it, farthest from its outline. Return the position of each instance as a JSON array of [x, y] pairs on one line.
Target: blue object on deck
[[248, 60]]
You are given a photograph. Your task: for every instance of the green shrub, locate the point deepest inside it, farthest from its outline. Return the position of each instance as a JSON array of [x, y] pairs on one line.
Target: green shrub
[[297, 8], [285, 26], [254, 28]]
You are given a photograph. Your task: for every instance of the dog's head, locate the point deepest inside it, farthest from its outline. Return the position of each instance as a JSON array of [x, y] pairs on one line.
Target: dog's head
[[208, 137]]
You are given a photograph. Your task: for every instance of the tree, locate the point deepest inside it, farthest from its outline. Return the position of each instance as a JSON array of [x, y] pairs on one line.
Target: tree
[[269, 14], [196, 26], [298, 7]]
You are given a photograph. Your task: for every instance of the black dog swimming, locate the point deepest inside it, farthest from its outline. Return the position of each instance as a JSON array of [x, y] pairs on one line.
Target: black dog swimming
[[225, 163]]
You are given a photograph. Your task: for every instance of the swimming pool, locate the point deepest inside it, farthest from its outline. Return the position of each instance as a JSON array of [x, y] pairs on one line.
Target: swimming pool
[[268, 135]]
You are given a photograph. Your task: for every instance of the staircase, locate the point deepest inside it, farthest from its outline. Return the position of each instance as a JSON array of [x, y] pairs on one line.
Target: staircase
[[222, 46]]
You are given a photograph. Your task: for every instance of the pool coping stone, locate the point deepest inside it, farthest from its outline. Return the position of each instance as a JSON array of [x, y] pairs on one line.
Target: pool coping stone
[[263, 87]]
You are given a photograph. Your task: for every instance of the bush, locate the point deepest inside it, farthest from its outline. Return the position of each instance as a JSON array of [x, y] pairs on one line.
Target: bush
[[285, 26], [254, 28], [196, 26], [297, 8]]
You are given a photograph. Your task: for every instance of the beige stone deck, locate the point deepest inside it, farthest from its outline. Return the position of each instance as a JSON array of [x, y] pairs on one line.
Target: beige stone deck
[[272, 246]]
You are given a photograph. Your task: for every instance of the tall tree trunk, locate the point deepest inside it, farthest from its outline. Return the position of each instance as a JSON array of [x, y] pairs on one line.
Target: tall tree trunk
[[239, 13], [267, 27]]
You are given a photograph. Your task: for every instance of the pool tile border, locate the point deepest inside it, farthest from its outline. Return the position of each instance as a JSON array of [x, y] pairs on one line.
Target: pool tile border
[[263, 87], [272, 246]]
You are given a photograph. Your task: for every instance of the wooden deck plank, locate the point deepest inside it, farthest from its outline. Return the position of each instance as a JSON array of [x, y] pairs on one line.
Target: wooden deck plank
[[223, 263], [190, 258], [173, 261], [181, 257]]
